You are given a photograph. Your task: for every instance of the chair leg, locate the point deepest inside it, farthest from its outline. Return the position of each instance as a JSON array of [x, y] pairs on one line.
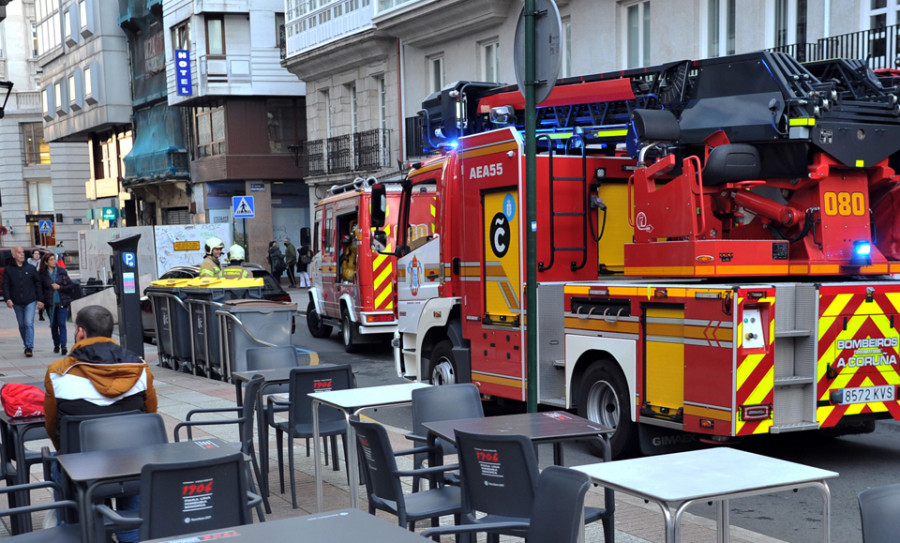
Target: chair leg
[[259, 509], [609, 531], [279, 440], [307, 447], [325, 447], [334, 454], [291, 464], [259, 480]]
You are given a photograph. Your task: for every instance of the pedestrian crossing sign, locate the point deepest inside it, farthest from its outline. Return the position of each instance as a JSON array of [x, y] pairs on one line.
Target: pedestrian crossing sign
[[243, 207]]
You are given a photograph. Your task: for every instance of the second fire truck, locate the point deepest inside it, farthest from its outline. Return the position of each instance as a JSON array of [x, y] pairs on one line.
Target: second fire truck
[[715, 242]]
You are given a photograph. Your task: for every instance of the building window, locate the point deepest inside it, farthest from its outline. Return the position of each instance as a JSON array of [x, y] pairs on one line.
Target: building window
[[565, 68], [181, 36], [49, 26], [326, 109], [490, 61], [34, 40], [435, 73], [638, 34], [790, 22], [36, 150], [284, 118], [82, 11], [40, 196], [215, 35], [210, 129], [719, 28], [88, 85], [280, 38]]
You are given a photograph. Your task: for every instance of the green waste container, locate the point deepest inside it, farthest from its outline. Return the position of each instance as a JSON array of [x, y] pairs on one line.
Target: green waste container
[[248, 324], [204, 297], [173, 329]]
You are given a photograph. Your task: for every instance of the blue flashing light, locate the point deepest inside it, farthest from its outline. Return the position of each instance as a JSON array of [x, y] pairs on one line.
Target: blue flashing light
[[863, 248], [454, 144]]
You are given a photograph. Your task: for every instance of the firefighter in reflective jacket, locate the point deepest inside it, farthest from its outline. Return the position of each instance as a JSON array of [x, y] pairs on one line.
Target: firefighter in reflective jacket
[[210, 267], [235, 268]]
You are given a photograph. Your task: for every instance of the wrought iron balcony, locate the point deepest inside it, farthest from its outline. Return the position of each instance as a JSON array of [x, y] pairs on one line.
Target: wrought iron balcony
[[878, 46], [357, 152]]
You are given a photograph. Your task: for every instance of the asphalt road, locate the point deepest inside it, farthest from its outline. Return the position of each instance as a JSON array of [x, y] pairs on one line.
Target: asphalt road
[[863, 461]]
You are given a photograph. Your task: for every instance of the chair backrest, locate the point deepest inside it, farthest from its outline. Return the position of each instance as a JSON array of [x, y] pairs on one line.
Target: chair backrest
[[879, 509], [307, 379], [498, 472], [248, 411], [379, 464], [264, 358], [68, 427], [185, 497], [122, 432], [557, 514], [446, 402]]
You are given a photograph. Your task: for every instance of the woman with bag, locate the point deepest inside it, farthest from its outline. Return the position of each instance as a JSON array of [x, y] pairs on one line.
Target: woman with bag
[[58, 290], [303, 265], [276, 260]]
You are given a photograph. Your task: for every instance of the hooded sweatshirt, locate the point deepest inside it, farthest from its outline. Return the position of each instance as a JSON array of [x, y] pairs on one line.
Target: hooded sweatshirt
[[99, 376]]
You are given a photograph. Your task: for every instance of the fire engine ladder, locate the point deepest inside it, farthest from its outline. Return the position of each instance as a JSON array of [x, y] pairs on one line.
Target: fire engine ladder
[[556, 214], [794, 405]]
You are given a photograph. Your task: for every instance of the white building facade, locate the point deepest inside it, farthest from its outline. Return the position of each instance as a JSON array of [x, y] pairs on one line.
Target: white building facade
[[40, 183]]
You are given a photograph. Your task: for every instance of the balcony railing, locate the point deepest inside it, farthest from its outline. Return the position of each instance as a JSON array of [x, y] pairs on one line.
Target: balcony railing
[[361, 151], [877, 46]]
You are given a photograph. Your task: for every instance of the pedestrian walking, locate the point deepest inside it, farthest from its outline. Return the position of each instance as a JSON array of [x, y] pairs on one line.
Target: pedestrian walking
[[22, 288], [35, 260], [304, 258], [290, 260], [276, 260], [58, 289]]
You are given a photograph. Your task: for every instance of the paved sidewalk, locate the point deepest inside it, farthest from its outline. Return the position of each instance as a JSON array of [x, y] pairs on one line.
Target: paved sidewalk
[[636, 521]]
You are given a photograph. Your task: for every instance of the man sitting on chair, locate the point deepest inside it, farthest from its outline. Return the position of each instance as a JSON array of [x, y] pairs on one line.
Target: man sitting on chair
[[98, 376]]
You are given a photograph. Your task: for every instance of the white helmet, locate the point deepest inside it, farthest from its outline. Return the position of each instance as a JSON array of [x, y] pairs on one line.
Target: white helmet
[[236, 252], [214, 243]]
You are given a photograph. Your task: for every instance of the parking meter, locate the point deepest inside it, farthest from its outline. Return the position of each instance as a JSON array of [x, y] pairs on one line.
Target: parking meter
[[128, 296]]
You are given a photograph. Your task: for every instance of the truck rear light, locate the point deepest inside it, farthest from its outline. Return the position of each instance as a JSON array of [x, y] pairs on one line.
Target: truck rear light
[[756, 412], [378, 317]]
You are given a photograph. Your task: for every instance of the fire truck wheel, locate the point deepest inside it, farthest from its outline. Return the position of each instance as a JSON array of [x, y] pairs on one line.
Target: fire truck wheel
[[443, 365], [349, 333], [316, 327], [603, 398]]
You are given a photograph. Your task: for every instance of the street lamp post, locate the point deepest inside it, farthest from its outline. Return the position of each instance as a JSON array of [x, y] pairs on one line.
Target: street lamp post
[[5, 86]]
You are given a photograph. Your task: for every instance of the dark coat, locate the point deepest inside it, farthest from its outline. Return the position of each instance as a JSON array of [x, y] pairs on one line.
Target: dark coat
[[66, 287], [22, 285]]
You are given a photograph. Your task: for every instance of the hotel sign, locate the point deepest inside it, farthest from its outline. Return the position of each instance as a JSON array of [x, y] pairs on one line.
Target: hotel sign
[[183, 72]]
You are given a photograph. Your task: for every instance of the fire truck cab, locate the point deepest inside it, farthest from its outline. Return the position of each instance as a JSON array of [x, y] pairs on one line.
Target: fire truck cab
[[352, 283]]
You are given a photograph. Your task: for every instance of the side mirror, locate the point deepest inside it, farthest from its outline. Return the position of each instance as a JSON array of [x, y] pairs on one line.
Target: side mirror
[[379, 241], [378, 206], [304, 236]]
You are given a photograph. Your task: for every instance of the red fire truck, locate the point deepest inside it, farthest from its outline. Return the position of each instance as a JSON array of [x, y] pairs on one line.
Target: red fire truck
[[353, 285], [716, 241]]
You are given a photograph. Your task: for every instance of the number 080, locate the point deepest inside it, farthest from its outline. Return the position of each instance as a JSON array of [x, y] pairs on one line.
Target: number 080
[[845, 203]]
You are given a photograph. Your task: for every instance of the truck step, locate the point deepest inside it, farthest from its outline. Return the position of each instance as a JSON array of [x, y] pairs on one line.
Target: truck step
[[792, 333], [793, 380], [556, 402], [794, 427]]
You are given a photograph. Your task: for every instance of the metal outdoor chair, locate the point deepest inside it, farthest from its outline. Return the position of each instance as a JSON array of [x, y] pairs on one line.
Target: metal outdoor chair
[[244, 419], [124, 431], [383, 484], [185, 497], [447, 402], [306, 380], [264, 358], [879, 509], [65, 533], [556, 513], [506, 492]]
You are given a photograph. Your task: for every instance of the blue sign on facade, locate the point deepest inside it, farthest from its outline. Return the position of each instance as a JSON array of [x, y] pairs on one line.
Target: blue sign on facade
[[243, 207], [45, 227], [183, 72]]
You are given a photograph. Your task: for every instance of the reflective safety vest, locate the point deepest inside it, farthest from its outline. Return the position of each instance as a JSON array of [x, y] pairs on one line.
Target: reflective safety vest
[[210, 268], [236, 272]]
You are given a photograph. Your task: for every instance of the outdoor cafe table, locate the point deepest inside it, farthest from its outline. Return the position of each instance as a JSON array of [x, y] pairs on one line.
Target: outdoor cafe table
[[675, 481], [349, 525], [351, 402], [86, 468], [14, 432], [545, 427]]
